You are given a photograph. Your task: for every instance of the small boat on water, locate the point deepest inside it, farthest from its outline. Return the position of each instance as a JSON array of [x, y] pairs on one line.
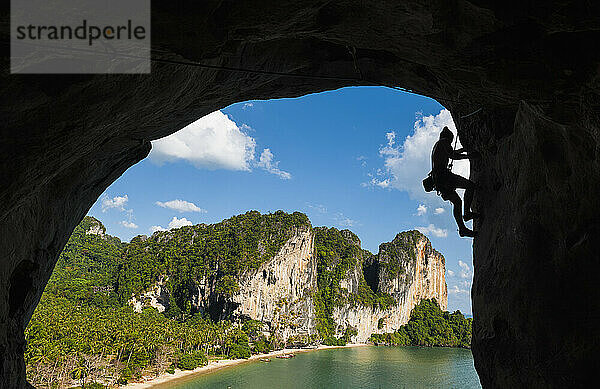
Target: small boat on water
[[264, 359]]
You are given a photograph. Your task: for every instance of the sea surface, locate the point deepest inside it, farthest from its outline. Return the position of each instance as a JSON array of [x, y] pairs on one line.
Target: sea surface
[[359, 367]]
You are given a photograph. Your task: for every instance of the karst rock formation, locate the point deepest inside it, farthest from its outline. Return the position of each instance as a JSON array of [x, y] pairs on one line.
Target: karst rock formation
[[521, 79]]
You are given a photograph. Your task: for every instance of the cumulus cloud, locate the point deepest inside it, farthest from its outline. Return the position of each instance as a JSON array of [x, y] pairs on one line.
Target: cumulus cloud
[[129, 224], [433, 230], [117, 202], [174, 223], [212, 142], [177, 223], [157, 228], [421, 210], [406, 164], [450, 273], [180, 205], [439, 211], [266, 162]]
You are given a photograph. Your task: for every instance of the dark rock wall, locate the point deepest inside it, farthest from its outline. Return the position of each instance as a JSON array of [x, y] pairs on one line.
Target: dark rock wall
[[533, 69], [535, 294]]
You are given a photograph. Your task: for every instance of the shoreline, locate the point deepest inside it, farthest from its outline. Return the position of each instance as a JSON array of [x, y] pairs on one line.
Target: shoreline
[[218, 364]]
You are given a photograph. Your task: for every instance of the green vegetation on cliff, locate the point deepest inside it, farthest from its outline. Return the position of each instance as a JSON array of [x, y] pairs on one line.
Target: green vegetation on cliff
[[338, 253], [87, 264], [402, 246], [216, 252], [430, 326]]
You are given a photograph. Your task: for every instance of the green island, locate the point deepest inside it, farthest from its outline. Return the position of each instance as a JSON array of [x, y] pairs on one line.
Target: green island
[[85, 330], [430, 326]]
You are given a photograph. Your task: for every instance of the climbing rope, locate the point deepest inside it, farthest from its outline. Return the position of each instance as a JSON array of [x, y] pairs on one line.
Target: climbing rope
[[472, 113], [451, 165], [352, 51]]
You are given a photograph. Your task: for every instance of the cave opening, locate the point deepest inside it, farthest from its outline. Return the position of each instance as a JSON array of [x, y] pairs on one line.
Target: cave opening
[[248, 155]]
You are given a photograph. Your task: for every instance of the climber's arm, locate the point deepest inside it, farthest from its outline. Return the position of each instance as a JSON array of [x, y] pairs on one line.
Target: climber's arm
[[459, 154]]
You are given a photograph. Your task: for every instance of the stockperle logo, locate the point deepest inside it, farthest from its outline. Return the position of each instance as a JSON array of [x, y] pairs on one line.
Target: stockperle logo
[[74, 36]]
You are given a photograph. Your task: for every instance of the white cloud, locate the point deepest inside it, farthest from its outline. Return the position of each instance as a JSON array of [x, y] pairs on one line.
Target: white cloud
[[117, 202], [177, 223], [157, 228], [375, 182], [246, 128], [459, 295], [435, 231], [212, 142], [127, 224], [465, 270], [439, 211], [455, 289], [344, 221], [421, 210], [459, 287], [391, 138], [266, 163], [248, 105], [180, 205], [407, 164], [363, 160], [318, 207]]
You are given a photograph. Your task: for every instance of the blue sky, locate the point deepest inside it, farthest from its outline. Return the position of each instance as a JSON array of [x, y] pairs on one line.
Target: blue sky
[[351, 158]]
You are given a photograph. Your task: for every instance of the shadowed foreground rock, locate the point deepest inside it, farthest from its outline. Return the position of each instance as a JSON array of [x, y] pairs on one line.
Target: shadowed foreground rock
[[533, 71]]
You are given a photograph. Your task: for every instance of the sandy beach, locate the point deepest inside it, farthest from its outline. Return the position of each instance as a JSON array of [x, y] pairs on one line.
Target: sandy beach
[[213, 365]]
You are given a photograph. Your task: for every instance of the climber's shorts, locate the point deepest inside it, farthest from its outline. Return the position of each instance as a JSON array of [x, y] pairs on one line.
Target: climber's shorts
[[447, 182]]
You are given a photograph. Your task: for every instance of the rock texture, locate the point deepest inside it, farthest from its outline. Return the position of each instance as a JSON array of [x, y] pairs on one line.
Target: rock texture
[[535, 295], [422, 277], [279, 292], [532, 69], [157, 297], [96, 229]]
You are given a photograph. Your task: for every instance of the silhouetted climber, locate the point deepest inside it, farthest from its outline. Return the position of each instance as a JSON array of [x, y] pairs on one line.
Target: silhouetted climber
[[446, 182]]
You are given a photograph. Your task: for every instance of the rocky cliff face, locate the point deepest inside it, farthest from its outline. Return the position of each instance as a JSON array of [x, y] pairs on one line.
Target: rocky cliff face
[[410, 270], [96, 229], [157, 297], [536, 260], [279, 293]]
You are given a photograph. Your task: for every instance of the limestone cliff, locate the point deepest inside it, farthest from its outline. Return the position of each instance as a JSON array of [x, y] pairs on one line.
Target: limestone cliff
[[281, 291], [96, 228], [409, 269], [156, 297], [277, 293]]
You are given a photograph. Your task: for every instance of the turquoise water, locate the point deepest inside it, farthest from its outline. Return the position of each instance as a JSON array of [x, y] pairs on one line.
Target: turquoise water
[[360, 367]]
